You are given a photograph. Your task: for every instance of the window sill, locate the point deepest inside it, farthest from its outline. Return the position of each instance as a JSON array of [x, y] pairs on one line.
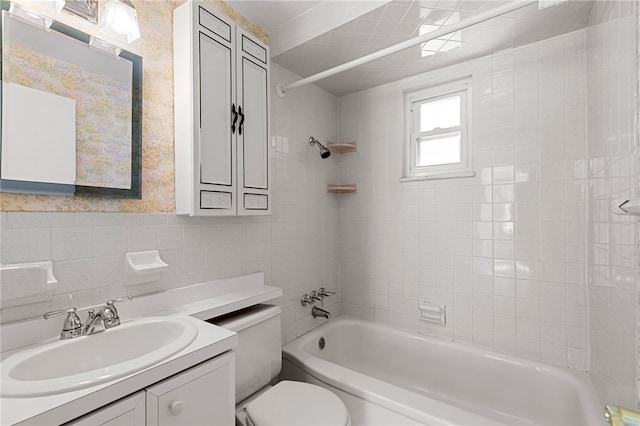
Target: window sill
[[444, 175]]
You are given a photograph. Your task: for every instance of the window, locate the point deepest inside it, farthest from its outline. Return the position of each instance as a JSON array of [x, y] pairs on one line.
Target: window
[[438, 142]]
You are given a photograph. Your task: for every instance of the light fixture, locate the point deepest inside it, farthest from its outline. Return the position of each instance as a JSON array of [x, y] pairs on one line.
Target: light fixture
[[28, 15], [87, 9], [119, 19]]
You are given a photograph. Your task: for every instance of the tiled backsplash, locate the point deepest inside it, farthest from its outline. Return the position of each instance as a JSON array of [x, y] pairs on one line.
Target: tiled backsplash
[[88, 249]]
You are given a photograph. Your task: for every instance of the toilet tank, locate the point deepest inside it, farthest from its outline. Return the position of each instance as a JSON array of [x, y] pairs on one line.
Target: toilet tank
[[258, 354]]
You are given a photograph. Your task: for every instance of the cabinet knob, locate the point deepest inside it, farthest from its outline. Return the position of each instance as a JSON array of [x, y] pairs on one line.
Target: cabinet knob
[[176, 407]]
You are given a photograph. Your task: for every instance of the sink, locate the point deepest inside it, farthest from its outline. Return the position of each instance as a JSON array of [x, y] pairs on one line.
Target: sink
[[67, 365]]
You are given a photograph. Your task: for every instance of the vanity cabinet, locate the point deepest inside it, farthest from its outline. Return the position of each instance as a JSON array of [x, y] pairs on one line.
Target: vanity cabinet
[[201, 395], [221, 76]]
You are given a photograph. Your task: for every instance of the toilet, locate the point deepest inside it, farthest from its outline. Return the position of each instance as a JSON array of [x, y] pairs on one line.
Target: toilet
[[258, 362]]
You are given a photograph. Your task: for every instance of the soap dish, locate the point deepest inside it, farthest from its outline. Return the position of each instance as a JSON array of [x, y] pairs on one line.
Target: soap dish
[[146, 262]]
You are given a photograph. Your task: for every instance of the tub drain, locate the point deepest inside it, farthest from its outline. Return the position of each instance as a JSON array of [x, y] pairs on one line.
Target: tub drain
[[321, 343]]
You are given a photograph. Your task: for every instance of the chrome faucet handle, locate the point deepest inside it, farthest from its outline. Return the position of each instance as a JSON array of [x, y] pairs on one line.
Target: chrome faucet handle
[[315, 296], [322, 292], [109, 313], [72, 326], [121, 299], [306, 300]]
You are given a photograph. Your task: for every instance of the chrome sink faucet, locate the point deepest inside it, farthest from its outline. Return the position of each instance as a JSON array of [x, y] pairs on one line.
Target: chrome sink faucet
[[73, 327]]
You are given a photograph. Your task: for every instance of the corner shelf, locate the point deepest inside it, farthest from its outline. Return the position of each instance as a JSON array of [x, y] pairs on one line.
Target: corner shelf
[[342, 148], [342, 188]]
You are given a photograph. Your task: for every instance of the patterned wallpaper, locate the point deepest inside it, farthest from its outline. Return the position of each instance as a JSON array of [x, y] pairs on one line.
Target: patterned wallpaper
[[156, 48]]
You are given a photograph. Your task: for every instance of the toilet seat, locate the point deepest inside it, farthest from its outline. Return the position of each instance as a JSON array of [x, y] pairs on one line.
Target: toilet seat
[[297, 403]]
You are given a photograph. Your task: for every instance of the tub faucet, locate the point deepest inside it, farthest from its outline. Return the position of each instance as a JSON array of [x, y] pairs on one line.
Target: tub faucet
[[319, 312]]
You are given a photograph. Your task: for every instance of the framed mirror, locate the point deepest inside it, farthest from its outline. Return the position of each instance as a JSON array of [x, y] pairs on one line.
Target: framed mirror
[[71, 112]]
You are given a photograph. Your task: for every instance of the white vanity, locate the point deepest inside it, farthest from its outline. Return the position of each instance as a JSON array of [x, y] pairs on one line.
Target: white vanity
[[66, 381]]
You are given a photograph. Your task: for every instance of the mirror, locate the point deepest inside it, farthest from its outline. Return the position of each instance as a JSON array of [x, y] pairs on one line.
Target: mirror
[[71, 113]]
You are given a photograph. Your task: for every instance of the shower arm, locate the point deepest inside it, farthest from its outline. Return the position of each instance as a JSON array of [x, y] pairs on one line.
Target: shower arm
[[313, 141], [281, 89]]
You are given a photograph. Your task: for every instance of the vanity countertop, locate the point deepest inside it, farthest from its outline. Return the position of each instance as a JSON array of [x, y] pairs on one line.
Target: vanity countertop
[[194, 303]]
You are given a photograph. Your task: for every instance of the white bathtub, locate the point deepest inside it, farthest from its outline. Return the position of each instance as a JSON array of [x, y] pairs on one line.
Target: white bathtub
[[388, 376]]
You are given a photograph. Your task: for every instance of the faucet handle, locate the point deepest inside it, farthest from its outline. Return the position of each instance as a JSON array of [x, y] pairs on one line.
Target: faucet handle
[[58, 312], [322, 292], [120, 299], [306, 300], [110, 316], [315, 296], [72, 326]]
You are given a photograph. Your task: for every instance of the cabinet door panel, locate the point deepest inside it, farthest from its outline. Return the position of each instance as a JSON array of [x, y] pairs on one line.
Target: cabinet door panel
[[216, 144], [129, 411], [203, 395], [255, 134]]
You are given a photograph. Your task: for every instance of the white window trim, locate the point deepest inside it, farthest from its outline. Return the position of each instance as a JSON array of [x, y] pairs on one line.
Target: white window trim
[[443, 171]]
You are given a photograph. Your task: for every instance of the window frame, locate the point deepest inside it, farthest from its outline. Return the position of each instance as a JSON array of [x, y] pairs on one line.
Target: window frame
[[411, 171]]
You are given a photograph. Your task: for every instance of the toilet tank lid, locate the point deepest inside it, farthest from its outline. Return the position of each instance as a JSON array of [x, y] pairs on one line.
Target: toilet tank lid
[[239, 320]]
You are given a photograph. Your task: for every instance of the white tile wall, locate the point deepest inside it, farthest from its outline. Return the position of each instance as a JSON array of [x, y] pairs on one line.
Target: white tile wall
[[296, 247], [506, 250], [612, 82]]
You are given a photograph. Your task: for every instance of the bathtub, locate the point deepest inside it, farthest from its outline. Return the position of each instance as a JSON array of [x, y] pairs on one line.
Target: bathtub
[[392, 377]]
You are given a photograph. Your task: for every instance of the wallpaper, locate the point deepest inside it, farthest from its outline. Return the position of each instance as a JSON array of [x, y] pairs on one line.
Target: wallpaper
[[156, 48]]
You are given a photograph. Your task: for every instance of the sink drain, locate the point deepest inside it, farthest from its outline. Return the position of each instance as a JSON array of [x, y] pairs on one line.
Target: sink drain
[[321, 343]]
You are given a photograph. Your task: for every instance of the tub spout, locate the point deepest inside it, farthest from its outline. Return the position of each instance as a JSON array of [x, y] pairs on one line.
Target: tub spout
[[319, 312]]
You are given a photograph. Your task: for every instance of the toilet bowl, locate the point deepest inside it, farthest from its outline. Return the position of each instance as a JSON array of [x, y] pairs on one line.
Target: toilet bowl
[[258, 362]]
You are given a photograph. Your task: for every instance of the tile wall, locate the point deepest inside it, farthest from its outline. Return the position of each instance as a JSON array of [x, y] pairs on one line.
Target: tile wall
[[612, 87], [506, 250], [296, 247]]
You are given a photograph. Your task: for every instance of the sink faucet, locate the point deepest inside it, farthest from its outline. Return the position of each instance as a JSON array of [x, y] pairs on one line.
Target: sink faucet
[[73, 327], [319, 312]]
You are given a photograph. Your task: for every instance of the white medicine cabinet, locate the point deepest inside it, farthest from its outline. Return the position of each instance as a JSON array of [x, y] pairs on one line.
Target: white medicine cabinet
[[221, 76]]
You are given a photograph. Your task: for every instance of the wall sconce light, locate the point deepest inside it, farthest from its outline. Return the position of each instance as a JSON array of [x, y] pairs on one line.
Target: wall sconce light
[[87, 9], [119, 19]]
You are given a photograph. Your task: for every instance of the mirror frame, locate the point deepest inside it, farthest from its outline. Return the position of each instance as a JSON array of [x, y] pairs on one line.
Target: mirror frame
[[135, 192]]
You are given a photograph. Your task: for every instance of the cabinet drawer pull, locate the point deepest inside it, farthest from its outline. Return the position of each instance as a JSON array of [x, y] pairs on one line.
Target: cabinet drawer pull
[[176, 407], [234, 118]]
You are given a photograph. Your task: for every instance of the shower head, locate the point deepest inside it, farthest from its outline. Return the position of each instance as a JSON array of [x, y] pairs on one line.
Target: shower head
[[324, 152]]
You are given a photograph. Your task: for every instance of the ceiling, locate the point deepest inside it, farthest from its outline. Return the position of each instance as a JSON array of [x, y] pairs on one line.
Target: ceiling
[[391, 22], [271, 14]]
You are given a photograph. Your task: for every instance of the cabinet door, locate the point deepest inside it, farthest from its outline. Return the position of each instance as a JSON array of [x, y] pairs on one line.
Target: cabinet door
[[218, 111], [202, 395], [253, 137], [129, 411]]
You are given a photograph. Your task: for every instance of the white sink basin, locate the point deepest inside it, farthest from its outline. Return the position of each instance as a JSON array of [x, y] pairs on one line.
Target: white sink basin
[[67, 365]]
